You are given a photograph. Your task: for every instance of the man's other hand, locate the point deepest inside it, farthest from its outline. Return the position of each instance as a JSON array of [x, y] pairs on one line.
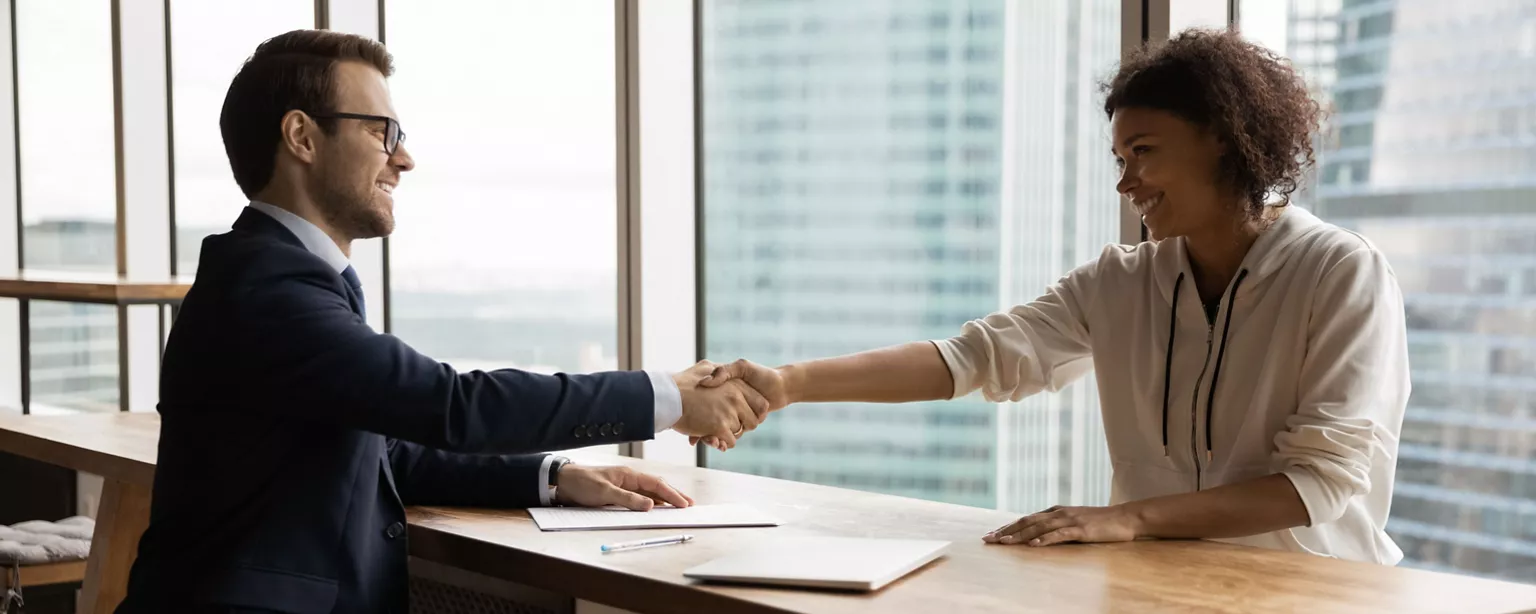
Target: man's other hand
[[622, 486]]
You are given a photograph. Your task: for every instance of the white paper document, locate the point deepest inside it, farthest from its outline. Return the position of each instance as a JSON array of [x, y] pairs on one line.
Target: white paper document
[[660, 517]]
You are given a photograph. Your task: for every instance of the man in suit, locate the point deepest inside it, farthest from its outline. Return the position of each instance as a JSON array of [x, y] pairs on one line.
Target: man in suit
[[293, 435]]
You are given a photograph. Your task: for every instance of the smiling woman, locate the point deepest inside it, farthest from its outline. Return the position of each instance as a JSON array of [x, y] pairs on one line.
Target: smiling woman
[[1290, 437]]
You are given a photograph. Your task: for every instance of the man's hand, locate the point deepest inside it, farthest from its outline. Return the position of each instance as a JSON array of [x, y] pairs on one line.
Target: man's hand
[[722, 413], [1058, 524], [601, 486], [771, 384]]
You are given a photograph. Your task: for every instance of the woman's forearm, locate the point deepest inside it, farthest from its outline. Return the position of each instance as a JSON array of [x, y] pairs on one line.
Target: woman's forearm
[[897, 374], [1251, 507]]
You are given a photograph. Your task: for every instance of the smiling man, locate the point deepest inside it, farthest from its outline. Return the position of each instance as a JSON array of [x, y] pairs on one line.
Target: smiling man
[[293, 435]]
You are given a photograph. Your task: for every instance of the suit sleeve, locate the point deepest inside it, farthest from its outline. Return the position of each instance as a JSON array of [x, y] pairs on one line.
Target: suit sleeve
[[428, 476], [316, 359]]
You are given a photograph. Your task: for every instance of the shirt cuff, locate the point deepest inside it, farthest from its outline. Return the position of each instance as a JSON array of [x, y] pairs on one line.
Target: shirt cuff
[[669, 400], [543, 485]]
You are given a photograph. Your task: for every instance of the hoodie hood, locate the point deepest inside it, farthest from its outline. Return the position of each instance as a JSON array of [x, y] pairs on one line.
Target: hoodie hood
[[1268, 254]]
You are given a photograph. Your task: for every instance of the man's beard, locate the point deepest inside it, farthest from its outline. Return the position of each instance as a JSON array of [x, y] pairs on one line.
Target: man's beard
[[352, 212]]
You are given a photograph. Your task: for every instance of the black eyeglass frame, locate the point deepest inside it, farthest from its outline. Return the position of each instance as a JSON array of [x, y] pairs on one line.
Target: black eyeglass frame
[[390, 123]]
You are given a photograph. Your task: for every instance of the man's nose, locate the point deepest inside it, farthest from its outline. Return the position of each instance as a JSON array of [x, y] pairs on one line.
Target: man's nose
[[402, 159]]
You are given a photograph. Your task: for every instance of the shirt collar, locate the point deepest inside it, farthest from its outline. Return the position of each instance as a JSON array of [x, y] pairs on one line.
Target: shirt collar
[[314, 239]]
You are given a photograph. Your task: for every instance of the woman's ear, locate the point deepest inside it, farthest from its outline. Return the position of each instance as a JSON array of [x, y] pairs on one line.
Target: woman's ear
[[1215, 141]]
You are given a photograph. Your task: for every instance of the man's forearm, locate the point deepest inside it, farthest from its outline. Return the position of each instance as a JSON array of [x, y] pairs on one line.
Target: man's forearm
[[897, 374], [1246, 508]]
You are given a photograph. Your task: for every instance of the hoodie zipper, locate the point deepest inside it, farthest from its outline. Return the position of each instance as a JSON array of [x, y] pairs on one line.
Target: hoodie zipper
[[1194, 403]]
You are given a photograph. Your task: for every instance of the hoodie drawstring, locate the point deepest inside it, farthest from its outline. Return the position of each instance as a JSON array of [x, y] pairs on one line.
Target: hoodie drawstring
[[1210, 398], [1173, 321]]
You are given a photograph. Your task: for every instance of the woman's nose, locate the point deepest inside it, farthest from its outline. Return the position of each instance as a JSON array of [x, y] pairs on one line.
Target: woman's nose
[[1128, 180]]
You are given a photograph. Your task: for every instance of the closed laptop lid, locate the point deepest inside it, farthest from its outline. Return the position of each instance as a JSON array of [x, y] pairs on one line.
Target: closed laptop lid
[[847, 563]]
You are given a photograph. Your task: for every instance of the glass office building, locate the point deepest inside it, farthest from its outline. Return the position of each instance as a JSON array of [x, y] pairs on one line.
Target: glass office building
[[877, 173]]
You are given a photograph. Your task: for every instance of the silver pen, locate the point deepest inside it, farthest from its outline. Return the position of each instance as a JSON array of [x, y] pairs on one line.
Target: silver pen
[[648, 543]]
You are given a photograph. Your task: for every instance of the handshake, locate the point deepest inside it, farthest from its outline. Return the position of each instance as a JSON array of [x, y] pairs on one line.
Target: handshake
[[722, 402]]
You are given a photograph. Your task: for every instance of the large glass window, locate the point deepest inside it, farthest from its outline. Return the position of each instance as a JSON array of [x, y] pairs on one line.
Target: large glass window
[[68, 194], [504, 249], [882, 172], [209, 42], [1430, 151]]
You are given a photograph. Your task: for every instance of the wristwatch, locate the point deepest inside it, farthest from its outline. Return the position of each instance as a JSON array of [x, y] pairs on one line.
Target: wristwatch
[[554, 477]]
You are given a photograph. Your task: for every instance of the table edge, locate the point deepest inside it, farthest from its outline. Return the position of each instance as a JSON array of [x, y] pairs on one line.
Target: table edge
[[53, 452]]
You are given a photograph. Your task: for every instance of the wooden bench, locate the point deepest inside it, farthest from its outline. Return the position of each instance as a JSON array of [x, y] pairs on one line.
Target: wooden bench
[[46, 587], [67, 572]]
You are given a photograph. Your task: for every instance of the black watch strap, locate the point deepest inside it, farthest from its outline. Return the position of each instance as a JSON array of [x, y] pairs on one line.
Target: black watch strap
[[554, 469]]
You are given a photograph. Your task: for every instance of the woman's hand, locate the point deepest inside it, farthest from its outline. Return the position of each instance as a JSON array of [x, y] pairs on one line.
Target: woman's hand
[[1059, 524], [770, 385]]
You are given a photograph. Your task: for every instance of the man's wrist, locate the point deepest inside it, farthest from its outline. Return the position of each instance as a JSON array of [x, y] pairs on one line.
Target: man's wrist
[[668, 397], [557, 465]]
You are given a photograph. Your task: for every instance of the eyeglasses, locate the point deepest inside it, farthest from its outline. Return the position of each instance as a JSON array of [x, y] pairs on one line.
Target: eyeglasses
[[393, 135]]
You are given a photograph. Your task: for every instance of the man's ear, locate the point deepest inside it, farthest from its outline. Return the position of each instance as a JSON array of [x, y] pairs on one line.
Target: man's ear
[[299, 135]]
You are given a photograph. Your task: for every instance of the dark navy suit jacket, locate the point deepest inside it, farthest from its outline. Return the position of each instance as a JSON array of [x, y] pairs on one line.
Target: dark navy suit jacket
[[293, 436]]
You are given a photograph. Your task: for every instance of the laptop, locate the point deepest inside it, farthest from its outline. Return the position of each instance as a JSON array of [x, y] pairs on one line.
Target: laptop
[[842, 563]]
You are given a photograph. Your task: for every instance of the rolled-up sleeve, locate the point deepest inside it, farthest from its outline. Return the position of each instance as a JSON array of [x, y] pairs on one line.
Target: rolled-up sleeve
[[1354, 385], [1040, 345]]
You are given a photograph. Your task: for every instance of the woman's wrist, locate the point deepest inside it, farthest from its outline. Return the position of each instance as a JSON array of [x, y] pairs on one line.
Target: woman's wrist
[[793, 375], [1137, 517]]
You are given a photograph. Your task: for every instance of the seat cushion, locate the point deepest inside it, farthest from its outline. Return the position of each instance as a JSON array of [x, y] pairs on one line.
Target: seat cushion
[[38, 541]]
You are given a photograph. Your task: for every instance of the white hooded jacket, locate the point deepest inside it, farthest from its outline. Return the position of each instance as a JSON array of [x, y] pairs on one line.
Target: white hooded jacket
[[1305, 373]]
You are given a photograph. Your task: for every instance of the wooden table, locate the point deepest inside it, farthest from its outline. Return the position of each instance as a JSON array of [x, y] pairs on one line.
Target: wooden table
[[1147, 576]]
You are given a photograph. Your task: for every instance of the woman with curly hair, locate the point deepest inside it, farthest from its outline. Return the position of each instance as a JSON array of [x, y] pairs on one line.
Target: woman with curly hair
[[1252, 359]]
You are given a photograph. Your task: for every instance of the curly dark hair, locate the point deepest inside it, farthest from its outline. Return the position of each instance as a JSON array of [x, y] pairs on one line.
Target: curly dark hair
[[1249, 96]]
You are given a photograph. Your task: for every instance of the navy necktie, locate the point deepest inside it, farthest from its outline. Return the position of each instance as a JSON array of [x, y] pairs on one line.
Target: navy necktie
[[350, 276]]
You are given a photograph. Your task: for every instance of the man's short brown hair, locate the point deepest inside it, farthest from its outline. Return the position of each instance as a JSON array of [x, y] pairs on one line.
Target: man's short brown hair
[[291, 71]]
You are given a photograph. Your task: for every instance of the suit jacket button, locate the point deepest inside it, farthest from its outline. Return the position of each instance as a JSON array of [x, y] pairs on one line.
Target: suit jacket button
[[591, 430], [606, 430], [579, 433], [618, 429], [394, 531]]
